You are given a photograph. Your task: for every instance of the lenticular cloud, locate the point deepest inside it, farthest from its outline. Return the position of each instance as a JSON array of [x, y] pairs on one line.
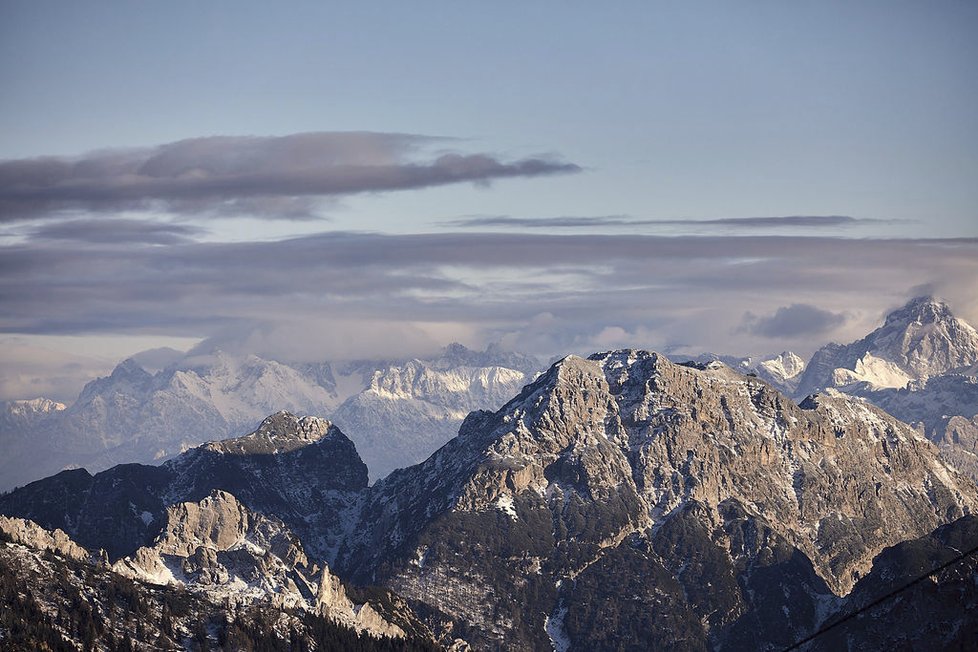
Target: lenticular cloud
[[220, 173]]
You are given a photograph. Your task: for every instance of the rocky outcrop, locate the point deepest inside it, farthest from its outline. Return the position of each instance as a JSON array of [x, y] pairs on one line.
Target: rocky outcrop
[[927, 609], [56, 602], [219, 548], [943, 407], [31, 534]]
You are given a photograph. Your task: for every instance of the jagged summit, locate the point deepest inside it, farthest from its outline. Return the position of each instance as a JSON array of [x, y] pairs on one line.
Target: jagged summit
[[782, 370], [410, 409], [784, 366], [302, 469], [922, 309], [20, 412], [152, 407]]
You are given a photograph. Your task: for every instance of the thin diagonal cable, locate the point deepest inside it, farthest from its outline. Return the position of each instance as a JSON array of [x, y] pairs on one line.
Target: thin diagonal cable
[[882, 599]]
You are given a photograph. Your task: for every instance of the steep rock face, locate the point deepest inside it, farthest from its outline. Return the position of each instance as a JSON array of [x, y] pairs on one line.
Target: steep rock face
[[597, 462], [919, 340], [959, 444], [944, 407], [303, 470]]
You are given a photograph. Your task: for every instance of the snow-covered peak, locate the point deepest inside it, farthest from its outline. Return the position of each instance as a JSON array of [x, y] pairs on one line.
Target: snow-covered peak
[[784, 366], [925, 338], [921, 310], [410, 409], [877, 373], [128, 378], [919, 340], [31, 407], [129, 368]]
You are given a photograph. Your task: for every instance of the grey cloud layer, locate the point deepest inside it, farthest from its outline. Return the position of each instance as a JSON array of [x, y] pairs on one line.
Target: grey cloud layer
[[223, 174], [689, 290], [794, 320]]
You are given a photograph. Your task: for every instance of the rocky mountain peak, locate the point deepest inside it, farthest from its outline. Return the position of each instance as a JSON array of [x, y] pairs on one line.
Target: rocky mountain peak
[[632, 430], [922, 310], [128, 378], [285, 425], [280, 432], [18, 416], [129, 368], [218, 548], [924, 338], [27, 407], [784, 366]]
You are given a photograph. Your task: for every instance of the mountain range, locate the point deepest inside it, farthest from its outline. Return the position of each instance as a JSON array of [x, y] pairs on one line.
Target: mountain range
[[399, 412], [921, 366], [621, 501]]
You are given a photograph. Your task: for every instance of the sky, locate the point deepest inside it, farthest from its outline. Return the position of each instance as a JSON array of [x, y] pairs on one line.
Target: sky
[[314, 181]]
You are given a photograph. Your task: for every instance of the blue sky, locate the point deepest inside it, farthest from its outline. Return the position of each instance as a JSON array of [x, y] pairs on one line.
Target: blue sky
[[620, 116]]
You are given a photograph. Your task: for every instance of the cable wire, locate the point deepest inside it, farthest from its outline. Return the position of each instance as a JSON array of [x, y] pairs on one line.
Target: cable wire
[[882, 599]]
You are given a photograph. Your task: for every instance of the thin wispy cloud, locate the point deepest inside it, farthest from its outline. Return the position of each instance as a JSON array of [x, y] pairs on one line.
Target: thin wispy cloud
[[117, 231], [268, 176], [624, 221]]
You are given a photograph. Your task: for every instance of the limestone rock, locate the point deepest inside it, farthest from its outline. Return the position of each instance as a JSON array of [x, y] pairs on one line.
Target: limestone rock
[[31, 534]]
